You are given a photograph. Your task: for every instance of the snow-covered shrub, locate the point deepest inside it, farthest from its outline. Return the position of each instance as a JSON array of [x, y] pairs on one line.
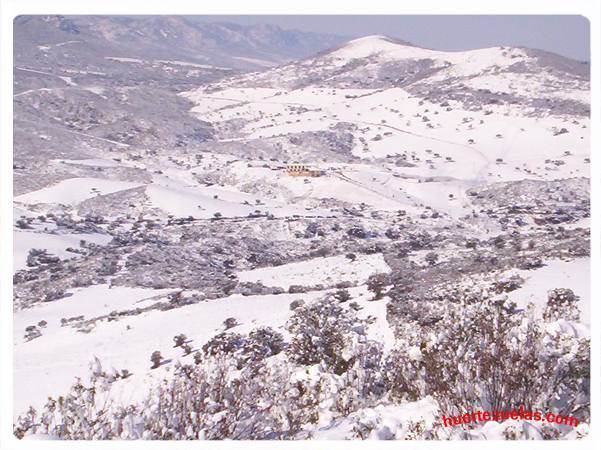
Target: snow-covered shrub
[[297, 289], [492, 357], [477, 355], [83, 413], [420, 241], [262, 343], [187, 348], [245, 350], [363, 383], [376, 284], [32, 332], [23, 224], [531, 263], [179, 340], [217, 401], [321, 333], [230, 322], [52, 294], [471, 243], [561, 304], [156, 358], [108, 267], [197, 358], [508, 284], [498, 242], [407, 308], [431, 258], [342, 295], [223, 343], [35, 257], [296, 303], [357, 232]]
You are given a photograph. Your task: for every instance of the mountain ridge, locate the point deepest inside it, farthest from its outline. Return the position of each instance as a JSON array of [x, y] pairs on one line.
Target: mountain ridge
[[178, 36], [542, 81]]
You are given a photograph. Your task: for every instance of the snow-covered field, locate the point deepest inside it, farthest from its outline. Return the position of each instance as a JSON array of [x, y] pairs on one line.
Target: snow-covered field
[[447, 133], [316, 271], [54, 243], [74, 190], [127, 343], [574, 275]]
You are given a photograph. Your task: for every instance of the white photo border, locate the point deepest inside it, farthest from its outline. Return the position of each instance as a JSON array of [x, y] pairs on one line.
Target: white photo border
[[591, 9]]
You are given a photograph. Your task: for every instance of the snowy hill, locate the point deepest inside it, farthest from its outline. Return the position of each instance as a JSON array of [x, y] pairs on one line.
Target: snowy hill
[[490, 106], [537, 81]]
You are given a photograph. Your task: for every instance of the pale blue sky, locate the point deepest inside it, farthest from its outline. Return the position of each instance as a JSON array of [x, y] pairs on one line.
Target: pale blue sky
[[566, 35]]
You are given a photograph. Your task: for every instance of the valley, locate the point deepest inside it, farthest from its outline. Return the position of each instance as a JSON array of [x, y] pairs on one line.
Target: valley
[[160, 200]]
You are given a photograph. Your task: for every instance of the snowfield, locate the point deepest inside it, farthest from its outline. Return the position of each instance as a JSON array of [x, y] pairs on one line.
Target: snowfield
[[56, 244], [125, 343], [318, 271], [574, 275], [74, 190]]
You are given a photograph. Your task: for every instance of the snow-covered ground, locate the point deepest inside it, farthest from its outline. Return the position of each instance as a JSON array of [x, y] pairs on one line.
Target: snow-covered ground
[[127, 343], [328, 271], [55, 244], [574, 275], [452, 148], [445, 132], [49, 364], [388, 421], [74, 190]]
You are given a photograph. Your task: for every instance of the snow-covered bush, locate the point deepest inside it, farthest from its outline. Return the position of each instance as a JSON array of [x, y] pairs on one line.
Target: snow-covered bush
[[483, 355], [431, 258], [296, 303], [82, 413], [32, 332], [230, 322], [363, 383], [321, 333], [187, 348], [508, 284], [342, 295], [156, 358], [108, 267], [217, 401], [179, 340], [223, 343], [561, 304], [245, 350], [490, 356], [376, 284], [35, 257], [262, 343], [197, 358]]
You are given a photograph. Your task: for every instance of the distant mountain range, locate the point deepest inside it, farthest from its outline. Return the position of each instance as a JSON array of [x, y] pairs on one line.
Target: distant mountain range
[[171, 38]]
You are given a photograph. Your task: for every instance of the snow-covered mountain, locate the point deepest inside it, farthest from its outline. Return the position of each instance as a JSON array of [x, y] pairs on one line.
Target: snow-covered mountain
[[339, 107], [538, 81]]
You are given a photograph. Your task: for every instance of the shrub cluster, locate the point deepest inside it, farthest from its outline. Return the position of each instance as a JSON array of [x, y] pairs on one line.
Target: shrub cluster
[[485, 355]]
